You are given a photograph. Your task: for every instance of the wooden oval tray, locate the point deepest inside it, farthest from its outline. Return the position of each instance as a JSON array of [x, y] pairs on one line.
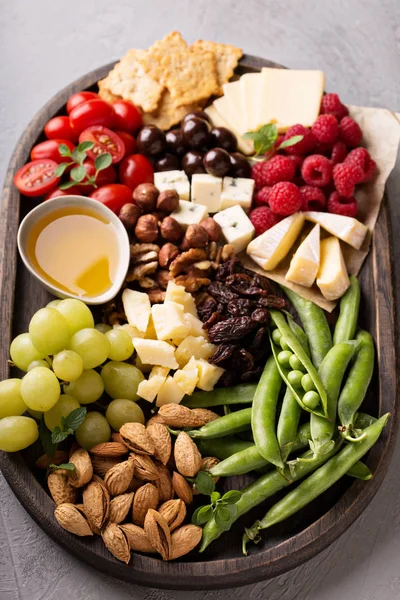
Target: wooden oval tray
[[284, 546]]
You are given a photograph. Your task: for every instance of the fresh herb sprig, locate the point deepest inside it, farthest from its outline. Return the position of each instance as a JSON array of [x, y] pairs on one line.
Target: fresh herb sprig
[[222, 508], [68, 466], [265, 138], [78, 172], [68, 425]]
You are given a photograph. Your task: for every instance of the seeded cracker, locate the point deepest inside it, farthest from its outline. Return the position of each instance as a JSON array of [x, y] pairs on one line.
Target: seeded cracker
[[151, 60], [226, 56], [167, 113]]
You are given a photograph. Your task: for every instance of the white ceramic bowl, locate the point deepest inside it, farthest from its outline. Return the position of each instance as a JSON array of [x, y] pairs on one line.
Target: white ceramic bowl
[[54, 204]]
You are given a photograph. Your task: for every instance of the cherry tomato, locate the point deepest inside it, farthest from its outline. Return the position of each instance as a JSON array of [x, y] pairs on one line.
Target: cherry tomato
[[79, 98], [49, 149], [127, 116], [92, 112], [114, 195], [104, 140], [129, 142], [72, 191], [108, 175], [60, 128], [136, 169], [37, 177]]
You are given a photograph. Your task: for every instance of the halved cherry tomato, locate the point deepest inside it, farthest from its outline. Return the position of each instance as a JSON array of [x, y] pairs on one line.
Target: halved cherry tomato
[[49, 149], [127, 116], [36, 178], [136, 169], [114, 195], [79, 98], [129, 142], [92, 112], [104, 140], [72, 191], [60, 128]]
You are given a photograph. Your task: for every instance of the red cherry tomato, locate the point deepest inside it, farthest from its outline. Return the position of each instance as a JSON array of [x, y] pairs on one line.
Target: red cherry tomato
[[36, 178], [127, 116], [129, 142], [60, 128], [108, 175], [92, 112], [114, 195], [136, 169], [79, 98], [49, 149], [72, 191], [104, 140]]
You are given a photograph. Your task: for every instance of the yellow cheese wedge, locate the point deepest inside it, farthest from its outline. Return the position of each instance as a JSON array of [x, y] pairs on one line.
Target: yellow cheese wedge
[[218, 120], [250, 86], [332, 277], [305, 262], [347, 229], [269, 248], [232, 93]]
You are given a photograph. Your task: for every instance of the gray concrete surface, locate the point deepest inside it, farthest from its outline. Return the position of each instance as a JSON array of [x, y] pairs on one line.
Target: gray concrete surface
[[45, 44]]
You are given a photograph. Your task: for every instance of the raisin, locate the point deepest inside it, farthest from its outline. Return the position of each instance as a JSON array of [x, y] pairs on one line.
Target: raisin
[[272, 302], [242, 361], [261, 315], [231, 329], [206, 309], [220, 292], [215, 317], [228, 379], [222, 353], [240, 307], [259, 341], [253, 375]]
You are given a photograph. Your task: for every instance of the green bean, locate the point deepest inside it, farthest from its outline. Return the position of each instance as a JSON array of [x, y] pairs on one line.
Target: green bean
[[226, 425], [263, 415], [346, 324], [315, 325], [358, 380], [360, 471], [318, 482], [224, 447], [239, 394]]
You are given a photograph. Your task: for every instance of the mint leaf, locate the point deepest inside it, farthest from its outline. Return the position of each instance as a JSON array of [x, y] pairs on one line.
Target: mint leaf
[[78, 173], [78, 156], [295, 139], [232, 496], [83, 146], [58, 436], [64, 150], [103, 161], [67, 185], [61, 169], [269, 131], [256, 136], [49, 446], [75, 419], [205, 483], [264, 138], [68, 466]]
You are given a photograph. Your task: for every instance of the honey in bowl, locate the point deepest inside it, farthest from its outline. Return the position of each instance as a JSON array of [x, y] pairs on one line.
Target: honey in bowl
[[75, 249]]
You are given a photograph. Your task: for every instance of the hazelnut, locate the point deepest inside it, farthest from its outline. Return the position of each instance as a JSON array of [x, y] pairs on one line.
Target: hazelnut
[[146, 229], [167, 254], [129, 215], [168, 201], [195, 237], [145, 196], [213, 229], [171, 230]]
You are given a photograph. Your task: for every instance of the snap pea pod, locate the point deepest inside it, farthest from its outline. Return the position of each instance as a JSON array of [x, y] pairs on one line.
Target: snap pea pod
[[263, 415], [318, 482], [235, 422], [224, 447], [346, 324], [239, 394], [358, 380], [315, 325], [360, 471], [298, 332]]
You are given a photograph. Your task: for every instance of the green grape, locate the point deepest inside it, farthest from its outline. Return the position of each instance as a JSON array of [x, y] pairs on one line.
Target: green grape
[[87, 388], [23, 352], [11, 403], [64, 405], [17, 433], [53, 303], [94, 430], [123, 411], [103, 327], [92, 346], [78, 315], [49, 331], [121, 346], [38, 363], [67, 365], [36, 414], [121, 380], [40, 389]]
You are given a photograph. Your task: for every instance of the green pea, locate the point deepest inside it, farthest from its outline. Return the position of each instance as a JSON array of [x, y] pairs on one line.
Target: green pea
[[284, 357], [283, 343], [276, 336], [307, 383], [296, 363], [294, 378], [311, 399]]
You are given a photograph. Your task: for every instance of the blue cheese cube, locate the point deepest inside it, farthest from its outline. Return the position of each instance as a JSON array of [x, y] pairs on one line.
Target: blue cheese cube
[[173, 180], [206, 190], [237, 228], [188, 213], [237, 191]]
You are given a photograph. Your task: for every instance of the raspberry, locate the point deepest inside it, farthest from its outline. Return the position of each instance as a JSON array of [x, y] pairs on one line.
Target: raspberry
[[324, 149], [331, 105], [345, 177], [297, 160], [278, 168], [263, 218], [279, 140], [361, 157], [262, 196], [285, 198], [325, 129], [313, 198], [350, 132], [339, 153], [306, 145], [317, 170], [339, 205], [258, 174]]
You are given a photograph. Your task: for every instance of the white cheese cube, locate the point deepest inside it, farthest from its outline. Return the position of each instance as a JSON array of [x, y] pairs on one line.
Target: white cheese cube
[[177, 293], [197, 347], [150, 331], [170, 392], [137, 308], [269, 248], [188, 213], [155, 352], [173, 180], [187, 377], [170, 321], [237, 228], [196, 326], [208, 374], [132, 331], [305, 261], [206, 190], [149, 388], [237, 191], [332, 278]]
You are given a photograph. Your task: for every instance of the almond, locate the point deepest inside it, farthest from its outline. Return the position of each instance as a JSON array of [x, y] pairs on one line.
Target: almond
[[119, 507], [135, 436], [116, 437], [162, 441], [135, 484], [157, 531], [205, 414], [184, 540], [182, 488], [208, 462], [109, 449], [164, 483], [116, 542], [174, 512], [44, 461], [187, 456], [96, 504], [146, 497], [83, 471], [144, 467], [60, 489], [74, 447], [71, 519], [137, 539], [155, 419], [176, 415], [118, 478]]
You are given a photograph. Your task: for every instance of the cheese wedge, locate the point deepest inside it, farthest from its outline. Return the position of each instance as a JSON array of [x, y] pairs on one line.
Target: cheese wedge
[[250, 87], [305, 262], [269, 248], [332, 277], [232, 92], [347, 229], [218, 120]]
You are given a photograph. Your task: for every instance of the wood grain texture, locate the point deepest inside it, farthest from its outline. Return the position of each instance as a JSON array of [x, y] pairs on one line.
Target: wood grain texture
[[287, 545]]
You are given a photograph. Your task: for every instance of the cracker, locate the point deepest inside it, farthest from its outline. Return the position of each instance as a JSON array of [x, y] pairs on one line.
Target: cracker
[[105, 94], [226, 56], [151, 60], [167, 114]]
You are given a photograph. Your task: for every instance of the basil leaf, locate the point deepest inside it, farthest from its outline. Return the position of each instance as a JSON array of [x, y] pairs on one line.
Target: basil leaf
[[64, 150], [75, 418], [233, 510], [49, 446], [205, 483], [215, 496], [67, 185], [83, 146], [223, 518], [78, 173], [232, 496], [103, 161], [60, 169], [58, 436], [202, 514], [295, 139], [68, 466]]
